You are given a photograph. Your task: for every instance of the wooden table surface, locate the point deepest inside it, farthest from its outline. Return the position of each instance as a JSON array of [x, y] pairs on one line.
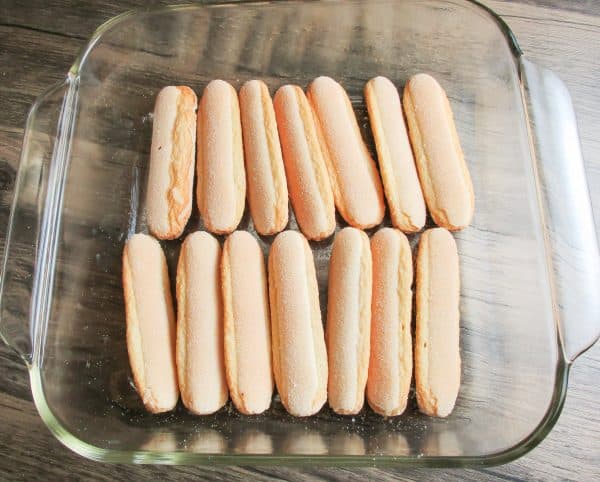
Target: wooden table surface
[[38, 41]]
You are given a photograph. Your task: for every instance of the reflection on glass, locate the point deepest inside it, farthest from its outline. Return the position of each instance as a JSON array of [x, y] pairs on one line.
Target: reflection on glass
[[160, 442], [207, 441], [343, 443], [254, 442], [442, 442], [301, 442]]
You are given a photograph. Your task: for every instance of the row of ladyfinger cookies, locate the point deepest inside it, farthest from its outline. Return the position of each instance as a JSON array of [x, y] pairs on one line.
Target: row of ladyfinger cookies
[[308, 147], [237, 328]]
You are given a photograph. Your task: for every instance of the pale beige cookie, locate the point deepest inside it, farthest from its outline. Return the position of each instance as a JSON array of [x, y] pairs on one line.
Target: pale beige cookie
[[354, 178], [221, 187], [200, 360], [265, 174], [247, 326], [171, 172], [349, 320], [443, 172], [437, 353], [391, 361], [150, 323], [307, 178], [396, 161], [299, 354]]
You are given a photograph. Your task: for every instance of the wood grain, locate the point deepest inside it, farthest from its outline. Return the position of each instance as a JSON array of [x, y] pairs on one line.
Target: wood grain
[[38, 42]]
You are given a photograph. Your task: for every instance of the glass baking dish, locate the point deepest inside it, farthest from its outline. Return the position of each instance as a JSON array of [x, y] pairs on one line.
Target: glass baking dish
[[529, 261]]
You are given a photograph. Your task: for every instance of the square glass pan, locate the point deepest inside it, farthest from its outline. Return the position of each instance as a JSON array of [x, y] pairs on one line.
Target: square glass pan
[[80, 194]]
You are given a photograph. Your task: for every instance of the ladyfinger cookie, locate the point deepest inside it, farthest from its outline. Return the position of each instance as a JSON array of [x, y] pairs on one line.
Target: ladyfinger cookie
[[247, 325], [391, 361], [267, 187], [437, 355], [221, 188], [150, 323], [443, 172], [349, 320], [354, 178], [171, 175], [308, 181], [396, 161], [200, 361], [299, 354]]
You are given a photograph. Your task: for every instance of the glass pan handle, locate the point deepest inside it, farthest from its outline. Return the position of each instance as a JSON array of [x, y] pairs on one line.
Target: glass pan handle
[[571, 241], [21, 257]]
